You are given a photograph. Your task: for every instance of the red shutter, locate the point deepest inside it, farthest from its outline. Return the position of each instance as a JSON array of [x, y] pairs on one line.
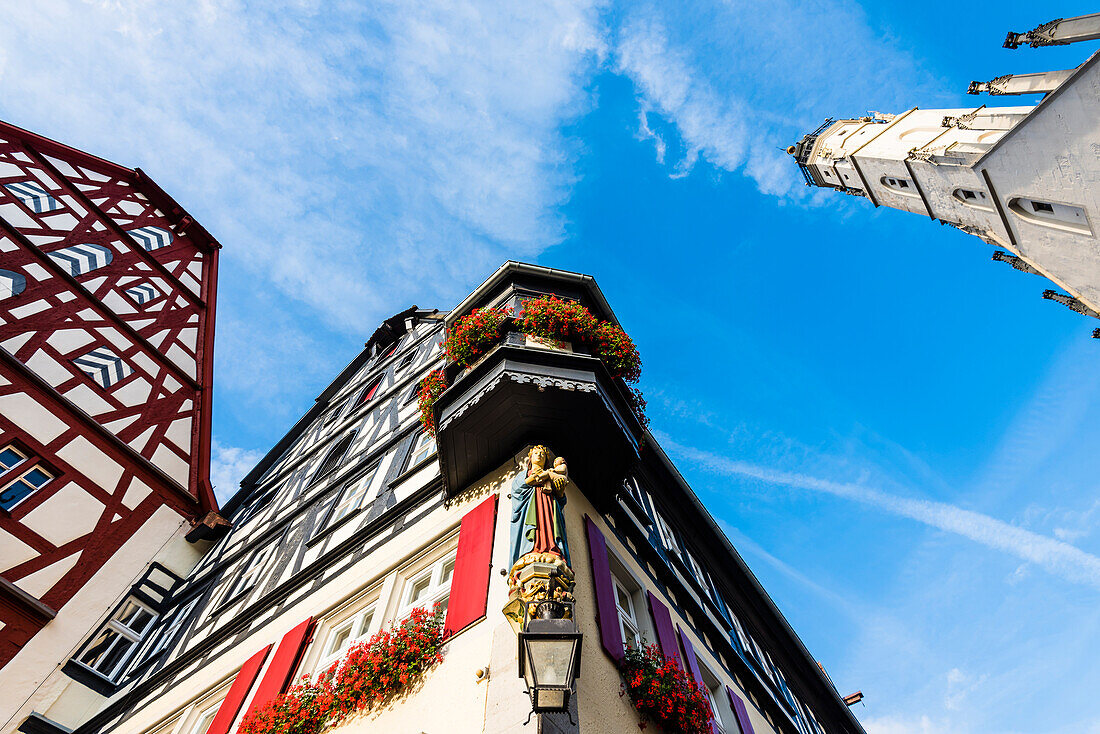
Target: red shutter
[[693, 668], [283, 663], [662, 621], [470, 583], [606, 612], [740, 712], [242, 684]]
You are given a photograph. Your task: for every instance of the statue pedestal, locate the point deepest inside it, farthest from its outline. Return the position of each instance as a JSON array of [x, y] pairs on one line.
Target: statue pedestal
[[536, 577]]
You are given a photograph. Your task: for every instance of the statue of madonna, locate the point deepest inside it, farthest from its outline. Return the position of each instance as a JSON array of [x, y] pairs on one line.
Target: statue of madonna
[[538, 495]]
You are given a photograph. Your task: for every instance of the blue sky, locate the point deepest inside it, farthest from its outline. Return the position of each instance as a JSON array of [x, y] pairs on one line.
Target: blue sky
[[897, 433]]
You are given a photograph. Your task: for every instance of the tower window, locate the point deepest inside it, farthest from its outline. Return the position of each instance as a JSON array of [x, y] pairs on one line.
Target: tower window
[[902, 186], [973, 199], [1065, 217]]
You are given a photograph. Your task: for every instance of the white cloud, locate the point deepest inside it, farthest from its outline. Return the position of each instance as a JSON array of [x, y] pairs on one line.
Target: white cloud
[[354, 154], [1055, 556], [742, 80], [899, 725], [228, 466]]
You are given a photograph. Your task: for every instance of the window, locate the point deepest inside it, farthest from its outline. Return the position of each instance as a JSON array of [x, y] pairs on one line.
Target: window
[[429, 586], [414, 393], [206, 718], [166, 633], [33, 196], [385, 352], [335, 455], [973, 199], [250, 574], [353, 496], [423, 447], [1051, 214], [628, 618], [714, 692], [901, 186], [23, 475], [668, 538], [115, 643], [370, 391], [344, 635], [142, 293]]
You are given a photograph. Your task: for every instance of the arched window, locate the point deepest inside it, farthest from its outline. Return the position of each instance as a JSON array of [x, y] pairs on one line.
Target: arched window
[[370, 391], [1065, 217], [81, 259], [899, 185], [974, 198], [34, 196], [11, 284], [335, 455]]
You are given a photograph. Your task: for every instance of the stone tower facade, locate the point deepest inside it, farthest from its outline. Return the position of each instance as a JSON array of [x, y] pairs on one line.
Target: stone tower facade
[[1025, 179]]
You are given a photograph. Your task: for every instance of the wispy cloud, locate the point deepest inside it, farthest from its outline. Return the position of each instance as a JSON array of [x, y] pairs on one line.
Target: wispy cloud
[[228, 466], [1055, 556], [740, 81]]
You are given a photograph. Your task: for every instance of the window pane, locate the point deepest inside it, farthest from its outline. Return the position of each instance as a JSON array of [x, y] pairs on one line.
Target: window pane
[[110, 663], [448, 571], [339, 640], [98, 649], [36, 477], [623, 598], [364, 626], [9, 457], [14, 492], [419, 589], [135, 617]]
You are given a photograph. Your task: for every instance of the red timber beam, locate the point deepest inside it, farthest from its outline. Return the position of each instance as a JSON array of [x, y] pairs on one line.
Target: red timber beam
[[42, 392], [122, 234], [96, 305], [202, 435], [54, 148]]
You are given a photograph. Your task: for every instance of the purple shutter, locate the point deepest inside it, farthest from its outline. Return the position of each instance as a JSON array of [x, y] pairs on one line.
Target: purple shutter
[[740, 712], [607, 614], [696, 673], [666, 635]]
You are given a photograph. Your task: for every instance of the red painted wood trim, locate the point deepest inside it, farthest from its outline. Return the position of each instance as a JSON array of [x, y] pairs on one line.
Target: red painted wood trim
[[662, 623], [607, 614], [60, 150], [242, 684], [470, 583], [43, 393], [23, 617], [283, 664], [96, 305], [201, 435], [141, 252], [164, 201], [740, 712]]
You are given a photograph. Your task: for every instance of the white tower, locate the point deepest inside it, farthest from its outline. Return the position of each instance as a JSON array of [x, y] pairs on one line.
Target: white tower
[[1022, 178]]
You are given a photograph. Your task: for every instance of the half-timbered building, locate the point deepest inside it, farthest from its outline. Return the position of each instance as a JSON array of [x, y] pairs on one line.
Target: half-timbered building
[[106, 337], [358, 515]]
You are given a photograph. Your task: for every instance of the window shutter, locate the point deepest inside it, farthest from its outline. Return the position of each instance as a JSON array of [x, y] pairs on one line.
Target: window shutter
[[470, 584], [662, 621], [606, 612], [242, 684], [693, 668], [283, 663], [740, 712]]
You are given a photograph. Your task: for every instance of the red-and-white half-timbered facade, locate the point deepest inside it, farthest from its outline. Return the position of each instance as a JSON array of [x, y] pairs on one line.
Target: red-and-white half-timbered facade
[[107, 290]]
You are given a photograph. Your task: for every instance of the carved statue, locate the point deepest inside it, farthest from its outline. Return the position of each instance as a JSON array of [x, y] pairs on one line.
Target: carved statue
[[538, 495], [540, 571]]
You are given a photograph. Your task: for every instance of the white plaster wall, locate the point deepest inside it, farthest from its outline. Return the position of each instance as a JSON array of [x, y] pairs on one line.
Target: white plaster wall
[[33, 681]]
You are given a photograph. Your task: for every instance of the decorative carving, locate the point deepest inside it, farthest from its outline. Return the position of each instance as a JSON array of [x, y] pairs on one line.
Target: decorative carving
[[540, 570]]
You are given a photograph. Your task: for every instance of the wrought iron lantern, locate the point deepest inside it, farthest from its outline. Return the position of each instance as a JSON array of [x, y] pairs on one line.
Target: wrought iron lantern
[[550, 657]]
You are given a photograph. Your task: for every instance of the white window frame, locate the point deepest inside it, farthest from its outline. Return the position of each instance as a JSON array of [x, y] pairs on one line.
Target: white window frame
[[359, 627], [664, 530], [28, 466], [164, 635], [629, 624], [438, 587], [206, 718], [353, 496], [121, 632], [249, 575], [423, 447]]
